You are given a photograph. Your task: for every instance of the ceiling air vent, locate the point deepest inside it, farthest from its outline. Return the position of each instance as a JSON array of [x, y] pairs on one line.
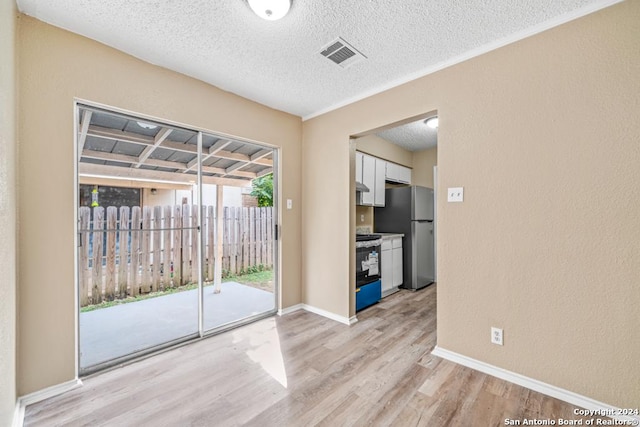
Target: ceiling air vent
[[342, 53]]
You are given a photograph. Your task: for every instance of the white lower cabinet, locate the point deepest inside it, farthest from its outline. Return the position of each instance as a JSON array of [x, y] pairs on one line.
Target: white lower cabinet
[[386, 269], [391, 260], [397, 260]]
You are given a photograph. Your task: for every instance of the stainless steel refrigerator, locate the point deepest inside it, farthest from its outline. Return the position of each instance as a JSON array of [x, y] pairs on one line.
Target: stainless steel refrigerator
[[409, 210]]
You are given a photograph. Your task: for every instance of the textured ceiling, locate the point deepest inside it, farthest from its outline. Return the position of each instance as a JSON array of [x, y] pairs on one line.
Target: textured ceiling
[[277, 63], [414, 136]]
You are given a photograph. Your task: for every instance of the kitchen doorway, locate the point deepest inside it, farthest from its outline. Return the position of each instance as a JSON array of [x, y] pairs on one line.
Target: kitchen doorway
[[389, 160], [175, 234]]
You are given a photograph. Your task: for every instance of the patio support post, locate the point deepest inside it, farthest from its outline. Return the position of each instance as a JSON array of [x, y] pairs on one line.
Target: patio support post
[[217, 275]]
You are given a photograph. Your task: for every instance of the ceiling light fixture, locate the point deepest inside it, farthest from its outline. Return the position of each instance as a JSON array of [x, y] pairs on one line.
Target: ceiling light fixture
[[144, 125], [432, 122], [271, 10]]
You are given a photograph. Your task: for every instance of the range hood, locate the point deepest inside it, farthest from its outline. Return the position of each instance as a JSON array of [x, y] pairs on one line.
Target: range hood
[[360, 187]]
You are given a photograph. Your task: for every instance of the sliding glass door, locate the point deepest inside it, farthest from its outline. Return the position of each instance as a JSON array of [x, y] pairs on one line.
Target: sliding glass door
[[170, 244], [238, 237]]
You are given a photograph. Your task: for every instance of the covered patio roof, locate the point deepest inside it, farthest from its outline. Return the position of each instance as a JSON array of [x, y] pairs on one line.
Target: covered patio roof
[[118, 146]]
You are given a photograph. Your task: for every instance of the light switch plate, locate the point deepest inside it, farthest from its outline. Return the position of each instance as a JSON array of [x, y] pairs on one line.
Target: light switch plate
[[289, 204], [455, 194]]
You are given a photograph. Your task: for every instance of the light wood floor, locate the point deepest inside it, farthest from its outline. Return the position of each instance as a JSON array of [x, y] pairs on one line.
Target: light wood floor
[[302, 370]]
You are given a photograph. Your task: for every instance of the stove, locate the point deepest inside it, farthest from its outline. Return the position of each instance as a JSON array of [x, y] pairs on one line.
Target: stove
[[368, 284]]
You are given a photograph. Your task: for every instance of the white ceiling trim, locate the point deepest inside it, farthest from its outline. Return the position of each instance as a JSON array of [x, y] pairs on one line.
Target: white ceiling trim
[[536, 29]]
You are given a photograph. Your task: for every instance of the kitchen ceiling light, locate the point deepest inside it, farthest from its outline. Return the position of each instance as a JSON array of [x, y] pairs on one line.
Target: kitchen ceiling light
[[432, 122], [144, 125], [270, 10]]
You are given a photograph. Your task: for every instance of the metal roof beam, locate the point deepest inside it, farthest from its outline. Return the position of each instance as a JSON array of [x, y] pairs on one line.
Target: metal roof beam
[[84, 128], [116, 172], [159, 138]]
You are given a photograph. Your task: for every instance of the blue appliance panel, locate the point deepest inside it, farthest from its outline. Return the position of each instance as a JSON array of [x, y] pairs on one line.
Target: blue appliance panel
[[368, 294]]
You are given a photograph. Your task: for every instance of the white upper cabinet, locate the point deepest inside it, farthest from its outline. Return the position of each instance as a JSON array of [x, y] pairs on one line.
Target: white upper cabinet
[[378, 198], [373, 172], [368, 179], [397, 173]]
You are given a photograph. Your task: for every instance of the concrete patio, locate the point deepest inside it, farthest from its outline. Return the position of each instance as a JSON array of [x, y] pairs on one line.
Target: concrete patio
[[116, 331]]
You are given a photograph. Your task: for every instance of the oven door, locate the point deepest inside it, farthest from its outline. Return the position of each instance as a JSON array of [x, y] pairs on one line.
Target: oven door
[[367, 260]]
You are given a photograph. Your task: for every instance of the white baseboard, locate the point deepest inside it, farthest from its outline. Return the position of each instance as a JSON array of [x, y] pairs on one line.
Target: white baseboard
[[45, 393], [39, 396], [290, 309], [587, 403], [328, 314], [324, 313]]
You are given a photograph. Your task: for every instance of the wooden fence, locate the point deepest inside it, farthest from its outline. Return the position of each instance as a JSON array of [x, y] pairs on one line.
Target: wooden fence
[[133, 251]]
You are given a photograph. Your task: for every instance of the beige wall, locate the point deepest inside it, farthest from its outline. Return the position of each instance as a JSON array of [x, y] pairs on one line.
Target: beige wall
[[7, 212], [231, 196], [383, 149], [164, 197], [55, 67], [543, 135], [423, 163]]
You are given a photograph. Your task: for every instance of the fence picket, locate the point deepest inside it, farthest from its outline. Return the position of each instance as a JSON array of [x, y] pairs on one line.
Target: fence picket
[[193, 257], [186, 250], [252, 236], [233, 241], [156, 242], [134, 268], [166, 248], [211, 247], [269, 240], [110, 261], [245, 238], [225, 239], [145, 284], [263, 236], [176, 253], [156, 247], [237, 240], [258, 236], [84, 216], [123, 252], [96, 279]]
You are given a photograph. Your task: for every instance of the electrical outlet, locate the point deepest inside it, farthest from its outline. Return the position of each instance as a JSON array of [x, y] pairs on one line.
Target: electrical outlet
[[289, 204], [362, 218], [496, 336], [455, 194]]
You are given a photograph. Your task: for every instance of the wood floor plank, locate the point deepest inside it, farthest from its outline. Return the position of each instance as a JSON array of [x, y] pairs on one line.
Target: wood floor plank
[[303, 370]]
